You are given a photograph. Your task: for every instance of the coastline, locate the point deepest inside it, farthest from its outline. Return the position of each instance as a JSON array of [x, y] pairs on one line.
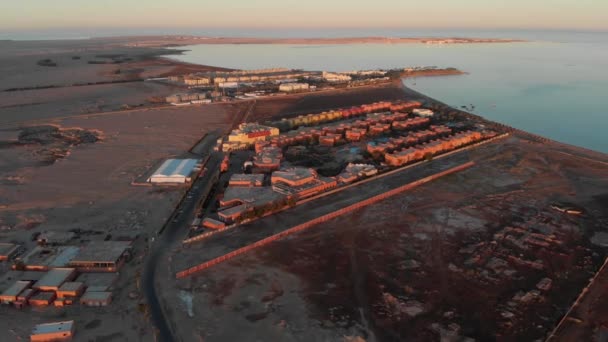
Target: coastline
[[177, 41]]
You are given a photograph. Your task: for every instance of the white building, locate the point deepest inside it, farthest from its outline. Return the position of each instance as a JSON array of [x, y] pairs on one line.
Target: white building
[[334, 77], [59, 331], [422, 112], [290, 87], [175, 171]]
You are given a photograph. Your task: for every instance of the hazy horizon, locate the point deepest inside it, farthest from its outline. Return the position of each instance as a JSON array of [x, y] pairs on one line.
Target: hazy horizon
[[87, 33]]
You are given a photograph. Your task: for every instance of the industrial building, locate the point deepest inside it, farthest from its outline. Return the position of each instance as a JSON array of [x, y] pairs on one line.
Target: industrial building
[[101, 256], [53, 279], [70, 289], [42, 299], [174, 171], [59, 331], [46, 258], [11, 294], [7, 251], [96, 298]]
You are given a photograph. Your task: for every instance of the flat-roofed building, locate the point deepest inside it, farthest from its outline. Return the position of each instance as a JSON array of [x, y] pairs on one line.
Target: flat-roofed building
[[58, 331], [11, 294], [293, 87], [267, 162], [247, 180], [42, 299], [45, 258], [423, 112], [101, 256], [70, 289], [96, 298], [55, 237], [233, 214], [175, 171], [25, 295], [294, 177], [7, 250], [98, 281], [213, 224], [53, 279]]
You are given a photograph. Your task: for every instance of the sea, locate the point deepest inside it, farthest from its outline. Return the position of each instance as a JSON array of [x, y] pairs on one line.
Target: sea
[[555, 84]]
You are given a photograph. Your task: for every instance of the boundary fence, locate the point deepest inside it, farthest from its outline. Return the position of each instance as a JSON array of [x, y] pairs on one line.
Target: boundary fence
[[320, 219]]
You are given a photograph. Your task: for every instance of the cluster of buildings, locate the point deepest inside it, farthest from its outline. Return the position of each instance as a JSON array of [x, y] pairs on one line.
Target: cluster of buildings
[[268, 183], [343, 114], [176, 171], [412, 138], [65, 275], [248, 193], [205, 79], [354, 130], [419, 152]]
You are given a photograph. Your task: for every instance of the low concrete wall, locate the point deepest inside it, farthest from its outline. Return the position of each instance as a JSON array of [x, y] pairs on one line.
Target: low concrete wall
[[324, 218]]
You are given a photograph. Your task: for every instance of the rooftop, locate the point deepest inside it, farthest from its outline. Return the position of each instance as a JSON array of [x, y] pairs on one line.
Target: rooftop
[[50, 256], [97, 281], [7, 248], [102, 252], [55, 277], [16, 288], [234, 210], [48, 328], [242, 177], [252, 195], [71, 286], [295, 174], [176, 167], [96, 295]]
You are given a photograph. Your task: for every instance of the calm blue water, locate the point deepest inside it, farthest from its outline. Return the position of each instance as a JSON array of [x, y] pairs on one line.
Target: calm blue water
[[556, 86]]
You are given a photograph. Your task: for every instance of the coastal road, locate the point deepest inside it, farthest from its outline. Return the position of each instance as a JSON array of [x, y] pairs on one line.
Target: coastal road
[[173, 231]]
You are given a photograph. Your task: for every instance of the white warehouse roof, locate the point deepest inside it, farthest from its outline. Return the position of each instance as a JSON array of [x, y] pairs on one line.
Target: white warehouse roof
[[174, 171]]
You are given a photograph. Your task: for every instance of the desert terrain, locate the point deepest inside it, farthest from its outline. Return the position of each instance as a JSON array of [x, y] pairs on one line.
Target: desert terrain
[[400, 269]]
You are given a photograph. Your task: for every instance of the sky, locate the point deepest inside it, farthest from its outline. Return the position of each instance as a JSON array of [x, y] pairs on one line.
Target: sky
[[305, 14]]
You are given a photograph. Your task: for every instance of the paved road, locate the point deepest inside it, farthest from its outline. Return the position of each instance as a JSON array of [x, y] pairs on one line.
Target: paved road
[[173, 232]]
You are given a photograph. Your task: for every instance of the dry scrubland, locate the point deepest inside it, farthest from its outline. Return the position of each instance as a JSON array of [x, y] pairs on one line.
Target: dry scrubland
[[19, 66], [345, 277], [90, 190]]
